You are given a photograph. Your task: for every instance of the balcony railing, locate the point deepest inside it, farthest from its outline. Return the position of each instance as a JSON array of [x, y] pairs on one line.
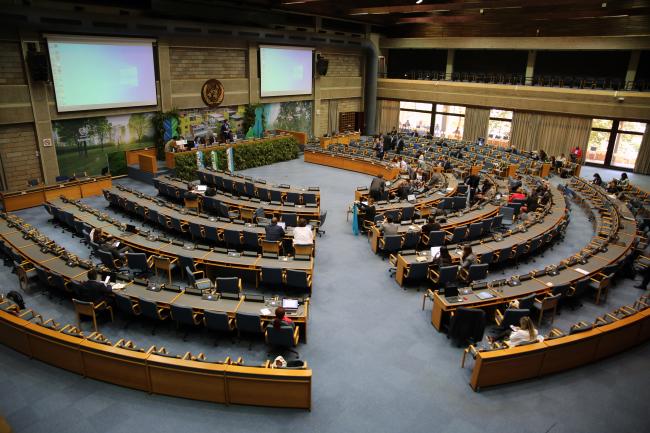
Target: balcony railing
[[565, 81]]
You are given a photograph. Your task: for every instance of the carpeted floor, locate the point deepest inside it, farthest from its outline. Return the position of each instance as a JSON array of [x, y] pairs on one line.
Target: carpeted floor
[[379, 365]]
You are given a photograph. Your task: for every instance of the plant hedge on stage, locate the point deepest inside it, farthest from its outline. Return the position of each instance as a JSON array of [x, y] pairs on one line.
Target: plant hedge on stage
[[246, 155]]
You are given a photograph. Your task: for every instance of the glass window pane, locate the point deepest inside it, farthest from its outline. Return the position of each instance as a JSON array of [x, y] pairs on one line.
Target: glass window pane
[[597, 147], [500, 114], [457, 109], [626, 149], [632, 127], [499, 132], [602, 123], [416, 106], [410, 120], [449, 126]]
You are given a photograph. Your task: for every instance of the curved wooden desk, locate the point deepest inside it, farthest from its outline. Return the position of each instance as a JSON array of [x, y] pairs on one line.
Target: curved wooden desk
[[207, 258], [495, 367], [176, 189], [148, 208], [86, 187], [61, 271], [603, 250], [153, 370]]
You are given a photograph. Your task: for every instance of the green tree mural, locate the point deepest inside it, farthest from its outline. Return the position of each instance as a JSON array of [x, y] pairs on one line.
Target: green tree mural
[[138, 124]]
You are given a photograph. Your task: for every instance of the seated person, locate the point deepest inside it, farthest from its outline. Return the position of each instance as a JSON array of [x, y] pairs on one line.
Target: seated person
[[598, 181], [303, 235], [517, 195], [388, 227], [273, 231], [515, 183], [445, 258], [623, 183], [523, 333], [532, 202], [367, 210], [467, 258], [394, 162], [612, 186], [431, 225], [96, 291], [108, 243], [281, 318]]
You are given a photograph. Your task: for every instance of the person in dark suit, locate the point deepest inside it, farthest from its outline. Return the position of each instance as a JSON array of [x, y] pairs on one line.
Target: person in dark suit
[[273, 231], [430, 226], [389, 228], [226, 133], [400, 145], [96, 291], [377, 187], [367, 212]]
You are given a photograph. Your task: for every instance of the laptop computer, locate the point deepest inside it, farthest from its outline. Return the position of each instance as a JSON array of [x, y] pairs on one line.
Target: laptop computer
[[290, 304]]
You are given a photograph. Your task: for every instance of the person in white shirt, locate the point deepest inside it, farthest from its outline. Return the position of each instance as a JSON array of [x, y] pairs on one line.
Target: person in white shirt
[[523, 333], [403, 166], [303, 235]]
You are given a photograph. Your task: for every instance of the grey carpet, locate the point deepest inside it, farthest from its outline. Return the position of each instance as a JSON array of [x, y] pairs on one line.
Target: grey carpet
[[379, 365]]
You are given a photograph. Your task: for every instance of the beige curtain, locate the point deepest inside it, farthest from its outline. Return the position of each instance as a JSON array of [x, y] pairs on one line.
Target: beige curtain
[[554, 134], [387, 115], [333, 117], [642, 164], [476, 123]]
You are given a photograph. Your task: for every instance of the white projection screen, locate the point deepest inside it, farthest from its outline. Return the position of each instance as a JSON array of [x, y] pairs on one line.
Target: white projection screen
[[91, 73], [285, 71]]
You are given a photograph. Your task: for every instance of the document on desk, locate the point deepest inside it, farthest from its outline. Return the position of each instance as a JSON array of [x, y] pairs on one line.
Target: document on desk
[[582, 271], [265, 312]]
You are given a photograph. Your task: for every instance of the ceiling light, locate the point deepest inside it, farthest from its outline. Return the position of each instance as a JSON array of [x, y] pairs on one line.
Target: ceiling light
[[417, 2]]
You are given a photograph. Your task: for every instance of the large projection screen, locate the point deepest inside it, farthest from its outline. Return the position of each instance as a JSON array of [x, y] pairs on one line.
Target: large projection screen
[[285, 71], [91, 73]]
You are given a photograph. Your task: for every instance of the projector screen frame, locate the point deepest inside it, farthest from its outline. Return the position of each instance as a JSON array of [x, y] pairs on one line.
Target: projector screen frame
[[294, 47], [108, 40]]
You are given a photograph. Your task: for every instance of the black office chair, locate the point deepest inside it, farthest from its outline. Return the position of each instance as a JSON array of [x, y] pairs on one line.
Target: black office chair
[[321, 223], [151, 311], [283, 337], [228, 285], [198, 283], [271, 277], [232, 238], [476, 272], [139, 264], [512, 316], [127, 307], [300, 280], [107, 260], [185, 317], [390, 244], [526, 303], [219, 322], [475, 230], [435, 238], [458, 235], [444, 276], [251, 240], [467, 325], [411, 240], [250, 324], [416, 272]]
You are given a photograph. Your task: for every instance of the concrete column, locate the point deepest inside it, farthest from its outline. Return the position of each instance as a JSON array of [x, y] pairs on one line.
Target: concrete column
[[164, 70], [450, 63], [253, 79], [530, 67], [630, 76], [42, 126]]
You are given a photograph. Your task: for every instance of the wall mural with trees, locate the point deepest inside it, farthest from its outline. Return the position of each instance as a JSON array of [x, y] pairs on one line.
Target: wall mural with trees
[[90, 144]]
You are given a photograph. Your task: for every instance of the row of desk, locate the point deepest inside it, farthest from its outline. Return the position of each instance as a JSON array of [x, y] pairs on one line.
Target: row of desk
[[202, 227], [153, 370], [212, 261], [176, 189], [14, 235], [246, 185], [36, 196], [610, 245]]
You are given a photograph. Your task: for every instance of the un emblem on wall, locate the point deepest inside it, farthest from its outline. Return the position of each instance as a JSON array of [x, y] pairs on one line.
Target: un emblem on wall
[[212, 93]]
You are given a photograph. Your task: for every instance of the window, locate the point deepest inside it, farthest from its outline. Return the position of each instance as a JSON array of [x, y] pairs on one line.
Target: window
[[614, 142], [499, 127], [601, 130], [449, 121], [627, 144], [415, 116]]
